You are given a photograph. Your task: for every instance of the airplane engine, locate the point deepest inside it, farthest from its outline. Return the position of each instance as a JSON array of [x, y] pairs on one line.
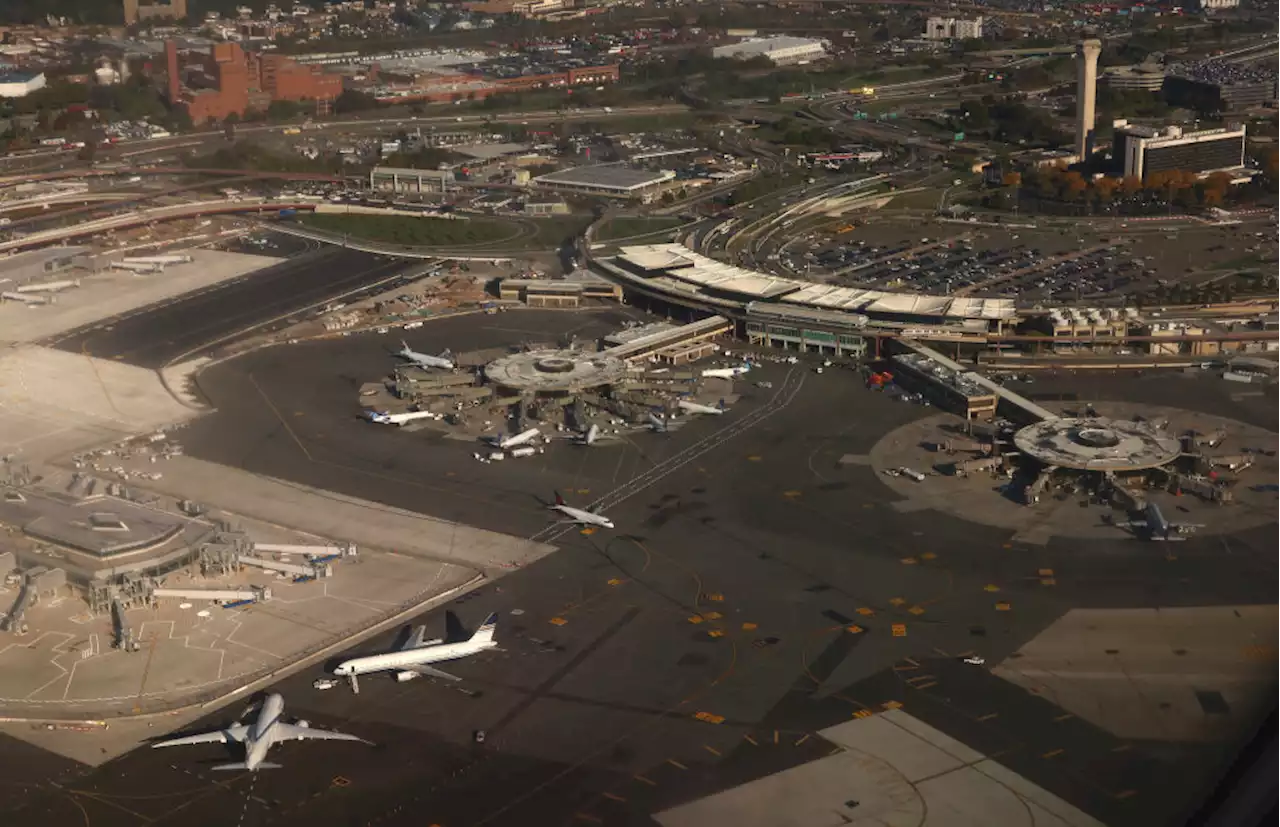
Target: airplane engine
[[304, 724], [401, 677]]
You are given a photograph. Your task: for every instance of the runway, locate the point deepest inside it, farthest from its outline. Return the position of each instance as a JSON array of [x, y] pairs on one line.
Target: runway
[[154, 336], [743, 556]]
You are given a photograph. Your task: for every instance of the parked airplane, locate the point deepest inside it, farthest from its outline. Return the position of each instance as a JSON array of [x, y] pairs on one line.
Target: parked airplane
[[268, 729], [413, 657], [664, 424], [694, 407], [505, 442], [1154, 525], [593, 436], [384, 418], [423, 360], [581, 516], [727, 373]]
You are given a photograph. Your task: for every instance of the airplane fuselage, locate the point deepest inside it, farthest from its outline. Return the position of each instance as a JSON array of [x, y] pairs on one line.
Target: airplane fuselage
[[580, 515], [426, 654]]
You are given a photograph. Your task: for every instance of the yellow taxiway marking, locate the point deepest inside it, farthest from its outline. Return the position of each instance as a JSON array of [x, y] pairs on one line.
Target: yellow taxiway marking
[[892, 705], [989, 716], [644, 780], [1053, 753], [899, 630], [1002, 607], [673, 762], [749, 627], [711, 750], [752, 740], [803, 738], [557, 621], [613, 797], [897, 601], [863, 713]]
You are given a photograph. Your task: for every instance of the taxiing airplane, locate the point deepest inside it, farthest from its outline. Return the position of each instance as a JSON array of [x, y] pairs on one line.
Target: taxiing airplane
[[257, 738], [413, 657], [385, 418], [581, 516], [1155, 527], [727, 373], [505, 442], [423, 360], [694, 407]]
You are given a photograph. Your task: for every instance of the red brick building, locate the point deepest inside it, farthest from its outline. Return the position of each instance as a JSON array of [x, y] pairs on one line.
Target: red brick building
[[228, 80]]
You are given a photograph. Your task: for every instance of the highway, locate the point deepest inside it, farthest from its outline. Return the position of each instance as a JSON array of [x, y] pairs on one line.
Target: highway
[[128, 148]]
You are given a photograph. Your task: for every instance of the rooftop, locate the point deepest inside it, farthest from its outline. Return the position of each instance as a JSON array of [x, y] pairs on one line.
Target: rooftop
[[606, 176], [1097, 444]]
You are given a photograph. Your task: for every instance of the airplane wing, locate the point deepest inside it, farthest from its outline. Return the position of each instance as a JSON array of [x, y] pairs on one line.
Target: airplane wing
[[429, 672], [293, 732], [232, 734]]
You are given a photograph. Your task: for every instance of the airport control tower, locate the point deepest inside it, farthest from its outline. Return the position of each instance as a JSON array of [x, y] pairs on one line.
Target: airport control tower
[[1086, 93]]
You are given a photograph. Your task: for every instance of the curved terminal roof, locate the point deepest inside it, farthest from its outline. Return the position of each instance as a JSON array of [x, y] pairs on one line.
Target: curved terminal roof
[[679, 263], [555, 371], [1096, 444]]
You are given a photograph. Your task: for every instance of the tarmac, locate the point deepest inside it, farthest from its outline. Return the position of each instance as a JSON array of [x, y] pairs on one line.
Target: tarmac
[[113, 293], [756, 594], [154, 336]]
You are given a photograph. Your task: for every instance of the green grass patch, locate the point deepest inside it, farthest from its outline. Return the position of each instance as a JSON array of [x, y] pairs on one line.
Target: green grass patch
[[626, 226], [418, 232]]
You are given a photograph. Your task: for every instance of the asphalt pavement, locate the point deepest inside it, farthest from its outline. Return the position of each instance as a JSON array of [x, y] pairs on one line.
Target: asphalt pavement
[[154, 336], [743, 556]]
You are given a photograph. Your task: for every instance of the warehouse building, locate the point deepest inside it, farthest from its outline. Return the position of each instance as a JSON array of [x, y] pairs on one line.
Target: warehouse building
[[781, 51], [400, 179], [608, 180], [1145, 150]]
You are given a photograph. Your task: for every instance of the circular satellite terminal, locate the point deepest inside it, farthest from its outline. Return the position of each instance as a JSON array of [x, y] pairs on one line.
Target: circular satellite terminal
[[555, 371], [1097, 444]]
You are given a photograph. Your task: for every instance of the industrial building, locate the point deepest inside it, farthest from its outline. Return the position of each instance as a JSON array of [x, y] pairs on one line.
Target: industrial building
[[1144, 150], [608, 180], [18, 84], [781, 51], [951, 28], [229, 80]]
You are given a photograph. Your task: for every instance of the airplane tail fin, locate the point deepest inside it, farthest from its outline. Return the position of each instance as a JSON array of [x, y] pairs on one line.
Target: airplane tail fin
[[240, 765], [560, 499], [484, 634]]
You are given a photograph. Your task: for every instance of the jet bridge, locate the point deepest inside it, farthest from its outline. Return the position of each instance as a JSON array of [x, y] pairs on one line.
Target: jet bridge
[[216, 595], [344, 550], [295, 569]]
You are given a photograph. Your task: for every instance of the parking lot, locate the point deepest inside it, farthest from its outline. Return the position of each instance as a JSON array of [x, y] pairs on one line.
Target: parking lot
[[1028, 264]]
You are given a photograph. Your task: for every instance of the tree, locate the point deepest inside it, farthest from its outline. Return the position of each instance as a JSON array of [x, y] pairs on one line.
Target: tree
[[352, 101], [1131, 184]]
